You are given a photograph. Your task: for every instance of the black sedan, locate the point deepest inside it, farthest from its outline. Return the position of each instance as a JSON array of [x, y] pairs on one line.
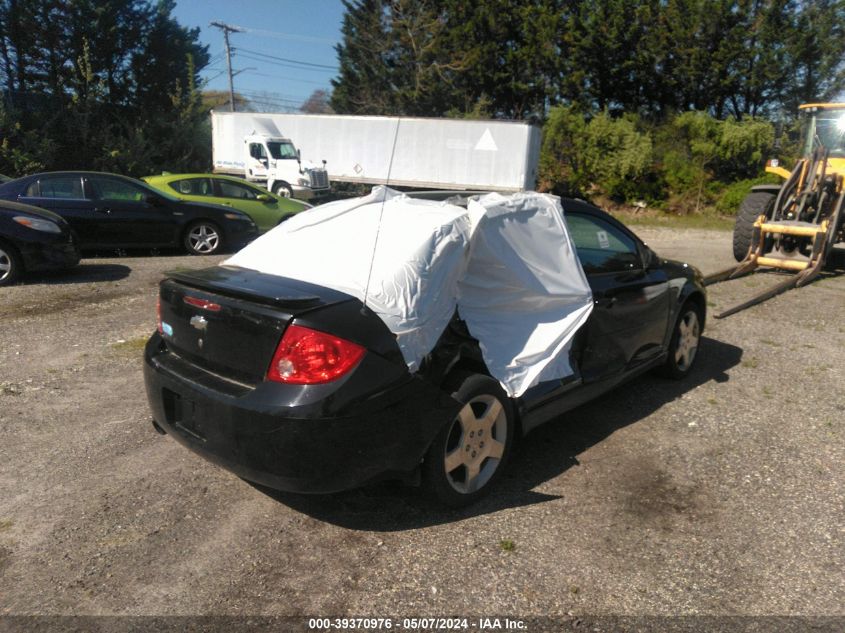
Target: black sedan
[[111, 211], [298, 388], [33, 239]]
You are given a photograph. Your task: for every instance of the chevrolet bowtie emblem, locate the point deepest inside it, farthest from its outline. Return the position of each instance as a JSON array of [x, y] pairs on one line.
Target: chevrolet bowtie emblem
[[199, 322]]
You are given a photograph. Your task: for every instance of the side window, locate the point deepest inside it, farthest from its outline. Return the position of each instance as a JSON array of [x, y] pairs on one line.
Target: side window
[[256, 150], [66, 187], [192, 187], [113, 189], [229, 189], [602, 248]]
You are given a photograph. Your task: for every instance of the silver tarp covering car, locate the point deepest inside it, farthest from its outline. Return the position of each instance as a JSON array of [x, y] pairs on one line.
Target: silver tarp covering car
[[506, 262]]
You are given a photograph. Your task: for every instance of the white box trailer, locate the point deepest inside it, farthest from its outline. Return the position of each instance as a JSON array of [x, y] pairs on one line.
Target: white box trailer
[[411, 152]]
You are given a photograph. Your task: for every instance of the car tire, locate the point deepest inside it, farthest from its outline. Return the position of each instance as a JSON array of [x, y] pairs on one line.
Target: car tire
[[470, 452], [11, 265], [283, 189], [755, 204], [203, 238], [685, 342]]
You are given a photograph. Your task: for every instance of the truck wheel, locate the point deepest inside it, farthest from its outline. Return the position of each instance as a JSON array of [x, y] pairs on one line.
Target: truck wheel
[[203, 238], [10, 265], [470, 451], [755, 204], [283, 189]]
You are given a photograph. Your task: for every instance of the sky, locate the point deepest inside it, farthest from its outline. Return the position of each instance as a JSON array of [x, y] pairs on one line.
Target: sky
[[285, 52]]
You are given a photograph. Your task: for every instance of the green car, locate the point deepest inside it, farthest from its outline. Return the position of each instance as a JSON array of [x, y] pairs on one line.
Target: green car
[[266, 209]]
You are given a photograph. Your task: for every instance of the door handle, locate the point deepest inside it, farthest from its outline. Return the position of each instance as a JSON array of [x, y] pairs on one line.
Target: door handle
[[105, 210]]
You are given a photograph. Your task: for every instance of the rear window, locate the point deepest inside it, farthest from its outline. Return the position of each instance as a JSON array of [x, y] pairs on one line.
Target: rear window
[[66, 187], [192, 187]]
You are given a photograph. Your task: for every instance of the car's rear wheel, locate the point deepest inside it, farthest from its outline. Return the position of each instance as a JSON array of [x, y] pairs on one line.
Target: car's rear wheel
[[11, 266], [686, 339], [203, 238], [471, 450], [283, 189]]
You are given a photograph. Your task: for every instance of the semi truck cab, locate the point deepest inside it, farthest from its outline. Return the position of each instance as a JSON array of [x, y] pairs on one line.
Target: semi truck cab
[[276, 161]]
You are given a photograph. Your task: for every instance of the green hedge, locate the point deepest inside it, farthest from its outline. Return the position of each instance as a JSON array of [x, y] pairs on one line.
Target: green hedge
[[691, 162]]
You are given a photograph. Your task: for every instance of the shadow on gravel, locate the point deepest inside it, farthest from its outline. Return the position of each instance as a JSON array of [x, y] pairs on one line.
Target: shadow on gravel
[[542, 455], [83, 273]]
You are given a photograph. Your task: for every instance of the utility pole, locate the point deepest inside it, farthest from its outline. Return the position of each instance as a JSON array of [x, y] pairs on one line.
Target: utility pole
[[228, 28]]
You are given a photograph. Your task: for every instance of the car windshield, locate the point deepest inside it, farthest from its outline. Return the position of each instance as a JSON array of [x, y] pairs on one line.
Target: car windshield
[[827, 129], [281, 149]]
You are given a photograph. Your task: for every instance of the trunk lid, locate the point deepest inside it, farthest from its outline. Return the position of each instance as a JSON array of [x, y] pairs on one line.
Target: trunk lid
[[229, 320]]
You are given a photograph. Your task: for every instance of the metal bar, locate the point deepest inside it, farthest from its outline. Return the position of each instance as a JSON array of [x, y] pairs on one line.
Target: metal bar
[[786, 264], [760, 298], [721, 275], [785, 229]]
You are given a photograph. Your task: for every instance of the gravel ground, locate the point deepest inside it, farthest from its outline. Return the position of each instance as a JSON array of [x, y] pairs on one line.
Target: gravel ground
[[719, 495]]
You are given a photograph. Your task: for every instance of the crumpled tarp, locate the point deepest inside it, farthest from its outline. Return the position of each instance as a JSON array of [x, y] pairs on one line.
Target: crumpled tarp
[[506, 263]]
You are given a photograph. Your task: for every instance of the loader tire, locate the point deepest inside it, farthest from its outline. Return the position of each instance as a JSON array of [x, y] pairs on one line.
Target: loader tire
[[755, 204]]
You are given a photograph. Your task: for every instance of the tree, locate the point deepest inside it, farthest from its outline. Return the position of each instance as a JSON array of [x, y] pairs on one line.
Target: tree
[[111, 85], [318, 103], [816, 52], [212, 99]]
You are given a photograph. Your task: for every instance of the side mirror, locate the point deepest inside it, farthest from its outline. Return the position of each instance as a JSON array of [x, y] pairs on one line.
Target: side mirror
[[263, 197], [650, 259], [153, 200], [299, 154]]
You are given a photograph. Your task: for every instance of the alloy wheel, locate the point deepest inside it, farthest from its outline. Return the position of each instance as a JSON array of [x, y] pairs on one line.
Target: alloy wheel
[[476, 444], [689, 332], [203, 239], [5, 265]]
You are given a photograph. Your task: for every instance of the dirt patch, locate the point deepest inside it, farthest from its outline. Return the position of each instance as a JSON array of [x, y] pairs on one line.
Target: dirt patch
[[62, 302]]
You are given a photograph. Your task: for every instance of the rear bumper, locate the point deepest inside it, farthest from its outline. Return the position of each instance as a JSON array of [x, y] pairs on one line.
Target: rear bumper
[[260, 436]]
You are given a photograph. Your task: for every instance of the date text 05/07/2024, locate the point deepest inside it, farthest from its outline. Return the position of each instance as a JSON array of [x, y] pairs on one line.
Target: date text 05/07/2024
[[416, 624]]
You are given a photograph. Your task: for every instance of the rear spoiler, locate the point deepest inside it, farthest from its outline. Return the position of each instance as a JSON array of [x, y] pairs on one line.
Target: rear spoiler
[[251, 285]]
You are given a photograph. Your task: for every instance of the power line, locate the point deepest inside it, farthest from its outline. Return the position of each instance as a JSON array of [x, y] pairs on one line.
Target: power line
[[290, 61], [264, 60], [304, 81], [289, 36], [270, 97]]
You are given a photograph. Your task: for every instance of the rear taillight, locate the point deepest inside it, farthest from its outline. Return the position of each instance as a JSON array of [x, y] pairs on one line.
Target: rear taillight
[[158, 316], [307, 357]]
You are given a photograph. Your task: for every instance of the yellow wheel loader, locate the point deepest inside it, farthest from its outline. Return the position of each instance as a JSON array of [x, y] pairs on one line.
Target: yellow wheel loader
[[792, 227]]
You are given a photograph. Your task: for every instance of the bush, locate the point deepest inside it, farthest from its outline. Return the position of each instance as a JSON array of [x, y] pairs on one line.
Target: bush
[[732, 195], [686, 160], [607, 154]]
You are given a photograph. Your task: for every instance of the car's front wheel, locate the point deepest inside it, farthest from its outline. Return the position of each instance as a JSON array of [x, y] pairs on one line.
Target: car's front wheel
[[686, 339], [470, 451], [10, 265], [203, 238]]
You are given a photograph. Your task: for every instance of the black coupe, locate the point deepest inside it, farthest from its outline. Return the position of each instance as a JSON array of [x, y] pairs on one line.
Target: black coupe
[[111, 211], [299, 388]]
